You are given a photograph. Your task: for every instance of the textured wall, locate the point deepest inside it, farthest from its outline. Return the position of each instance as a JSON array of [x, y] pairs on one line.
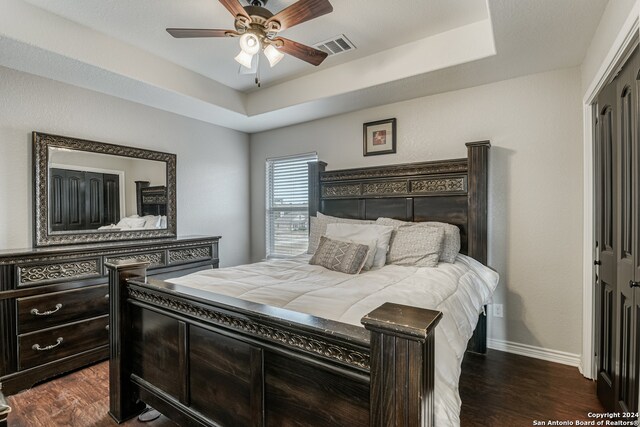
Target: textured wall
[[535, 218], [213, 162]]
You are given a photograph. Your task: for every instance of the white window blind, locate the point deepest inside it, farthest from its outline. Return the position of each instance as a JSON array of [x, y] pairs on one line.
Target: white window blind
[[287, 213]]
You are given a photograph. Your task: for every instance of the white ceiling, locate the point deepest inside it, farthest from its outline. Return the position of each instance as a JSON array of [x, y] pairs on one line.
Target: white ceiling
[[405, 49], [372, 25]]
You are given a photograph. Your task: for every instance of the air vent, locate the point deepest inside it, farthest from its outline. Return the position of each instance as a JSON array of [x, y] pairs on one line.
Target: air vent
[[335, 45]]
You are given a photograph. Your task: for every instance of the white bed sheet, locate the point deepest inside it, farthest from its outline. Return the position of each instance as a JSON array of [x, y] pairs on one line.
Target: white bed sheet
[[458, 290]]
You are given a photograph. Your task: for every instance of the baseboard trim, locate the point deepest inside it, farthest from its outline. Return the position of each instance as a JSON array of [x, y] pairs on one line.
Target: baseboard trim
[[535, 352]]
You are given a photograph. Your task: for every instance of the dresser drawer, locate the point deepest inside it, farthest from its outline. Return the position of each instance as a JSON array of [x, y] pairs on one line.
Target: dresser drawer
[[38, 348], [53, 272], [57, 308], [185, 255]]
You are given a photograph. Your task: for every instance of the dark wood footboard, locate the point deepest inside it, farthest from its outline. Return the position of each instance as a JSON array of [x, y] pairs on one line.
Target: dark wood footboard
[[205, 359]]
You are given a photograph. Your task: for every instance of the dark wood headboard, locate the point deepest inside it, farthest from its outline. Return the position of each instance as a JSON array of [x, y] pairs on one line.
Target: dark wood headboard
[[151, 200], [453, 191]]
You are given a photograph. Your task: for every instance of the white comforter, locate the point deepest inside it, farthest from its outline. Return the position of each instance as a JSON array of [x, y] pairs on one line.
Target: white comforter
[[458, 290]]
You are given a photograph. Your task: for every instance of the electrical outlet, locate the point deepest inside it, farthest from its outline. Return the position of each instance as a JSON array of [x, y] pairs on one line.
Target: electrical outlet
[[497, 310]]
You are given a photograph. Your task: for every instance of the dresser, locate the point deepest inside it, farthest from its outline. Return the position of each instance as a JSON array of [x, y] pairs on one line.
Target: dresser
[[54, 302]]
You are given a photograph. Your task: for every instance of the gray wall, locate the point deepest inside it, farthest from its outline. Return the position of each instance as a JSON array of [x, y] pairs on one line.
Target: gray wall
[[535, 218], [213, 162]]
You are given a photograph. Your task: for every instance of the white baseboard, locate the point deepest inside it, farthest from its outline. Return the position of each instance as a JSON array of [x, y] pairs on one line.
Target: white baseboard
[[535, 352]]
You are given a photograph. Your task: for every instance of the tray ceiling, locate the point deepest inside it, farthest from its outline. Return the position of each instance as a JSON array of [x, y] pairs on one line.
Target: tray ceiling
[[404, 49]]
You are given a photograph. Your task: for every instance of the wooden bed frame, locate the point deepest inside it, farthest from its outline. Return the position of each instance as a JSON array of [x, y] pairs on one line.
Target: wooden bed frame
[[151, 200], [205, 359]]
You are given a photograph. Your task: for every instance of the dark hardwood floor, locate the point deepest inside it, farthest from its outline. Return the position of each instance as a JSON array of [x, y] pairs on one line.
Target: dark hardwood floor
[[502, 389], [498, 389]]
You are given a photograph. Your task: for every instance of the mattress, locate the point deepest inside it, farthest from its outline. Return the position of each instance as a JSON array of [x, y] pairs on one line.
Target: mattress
[[458, 290]]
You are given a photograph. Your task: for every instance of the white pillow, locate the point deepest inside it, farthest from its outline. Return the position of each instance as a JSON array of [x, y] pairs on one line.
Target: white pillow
[[318, 226], [362, 233], [129, 223], [450, 245], [416, 245], [151, 222], [335, 232]]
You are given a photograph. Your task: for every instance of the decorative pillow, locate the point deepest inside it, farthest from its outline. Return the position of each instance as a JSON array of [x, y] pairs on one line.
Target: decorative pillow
[[451, 244], [364, 234], [318, 227], [416, 245], [337, 255]]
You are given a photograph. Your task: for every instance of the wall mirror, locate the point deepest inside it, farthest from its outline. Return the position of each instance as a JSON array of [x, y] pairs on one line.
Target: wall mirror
[[87, 192]]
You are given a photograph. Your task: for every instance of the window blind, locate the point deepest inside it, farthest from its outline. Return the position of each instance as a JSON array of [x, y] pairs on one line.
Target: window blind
[[287, 205]]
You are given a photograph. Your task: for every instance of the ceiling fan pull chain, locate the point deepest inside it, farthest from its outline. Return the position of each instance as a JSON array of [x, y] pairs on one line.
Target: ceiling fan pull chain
[[258, 71]]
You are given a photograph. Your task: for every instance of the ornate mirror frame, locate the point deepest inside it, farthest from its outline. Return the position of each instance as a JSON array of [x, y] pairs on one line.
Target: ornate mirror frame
[[41, 232]]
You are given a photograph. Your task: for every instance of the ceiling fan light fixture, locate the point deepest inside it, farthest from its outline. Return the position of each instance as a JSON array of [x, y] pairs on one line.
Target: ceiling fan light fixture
[[244, 59], [273, 55], [250, 43]]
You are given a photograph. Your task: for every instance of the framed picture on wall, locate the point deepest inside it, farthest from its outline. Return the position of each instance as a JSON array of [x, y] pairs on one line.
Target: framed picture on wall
[[379, 137]]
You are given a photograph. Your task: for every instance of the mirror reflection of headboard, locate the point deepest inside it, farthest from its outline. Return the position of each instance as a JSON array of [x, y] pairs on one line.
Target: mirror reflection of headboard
[[123, 165], [151, 200]]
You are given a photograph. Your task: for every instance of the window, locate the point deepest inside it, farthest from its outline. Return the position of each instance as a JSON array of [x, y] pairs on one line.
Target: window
[[287, 205]]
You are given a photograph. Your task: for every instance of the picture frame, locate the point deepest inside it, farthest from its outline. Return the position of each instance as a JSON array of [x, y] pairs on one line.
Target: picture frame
[[379, 137]]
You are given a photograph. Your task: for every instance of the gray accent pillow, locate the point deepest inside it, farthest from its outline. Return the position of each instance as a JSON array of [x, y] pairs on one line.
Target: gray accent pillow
[[318, 227], [451, 244], [337, 255], [416, 245]]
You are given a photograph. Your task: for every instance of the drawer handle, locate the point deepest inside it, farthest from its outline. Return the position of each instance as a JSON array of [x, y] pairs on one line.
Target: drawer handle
[[49, 347], [35, 311]]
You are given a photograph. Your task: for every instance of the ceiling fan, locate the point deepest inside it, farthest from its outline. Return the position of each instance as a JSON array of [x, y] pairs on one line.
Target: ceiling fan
[[258, 29]]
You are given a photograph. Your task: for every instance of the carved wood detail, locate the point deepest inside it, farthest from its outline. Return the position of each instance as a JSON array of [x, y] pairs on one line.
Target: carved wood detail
[[445, 166], [154, 259], [383, 188], [91, 251], [189, 254], [154, 199], [308, 344], [345, 190], [69, 270], [439, 185]]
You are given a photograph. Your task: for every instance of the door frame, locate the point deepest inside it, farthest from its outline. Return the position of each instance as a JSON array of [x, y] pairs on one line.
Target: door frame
[[623, 45]]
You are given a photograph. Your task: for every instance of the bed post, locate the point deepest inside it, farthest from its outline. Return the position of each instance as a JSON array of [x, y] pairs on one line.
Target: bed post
[[402, 365], [478, 191], [123, 404], [315, 169]]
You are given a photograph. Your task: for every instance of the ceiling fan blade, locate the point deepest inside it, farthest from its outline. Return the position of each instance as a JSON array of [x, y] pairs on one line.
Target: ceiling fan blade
[[181, 33], [302, 11], [234, 7], [306, 53]]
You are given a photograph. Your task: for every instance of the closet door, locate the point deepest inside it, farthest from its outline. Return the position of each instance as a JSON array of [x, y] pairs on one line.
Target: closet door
[[94, 200], [627, 260], [111, 199], [606, 244], [74, 193]]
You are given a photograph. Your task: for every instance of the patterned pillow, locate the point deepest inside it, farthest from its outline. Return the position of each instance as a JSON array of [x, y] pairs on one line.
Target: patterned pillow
[[416, 245], [336, 255], [451, 244], [318, 227]]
